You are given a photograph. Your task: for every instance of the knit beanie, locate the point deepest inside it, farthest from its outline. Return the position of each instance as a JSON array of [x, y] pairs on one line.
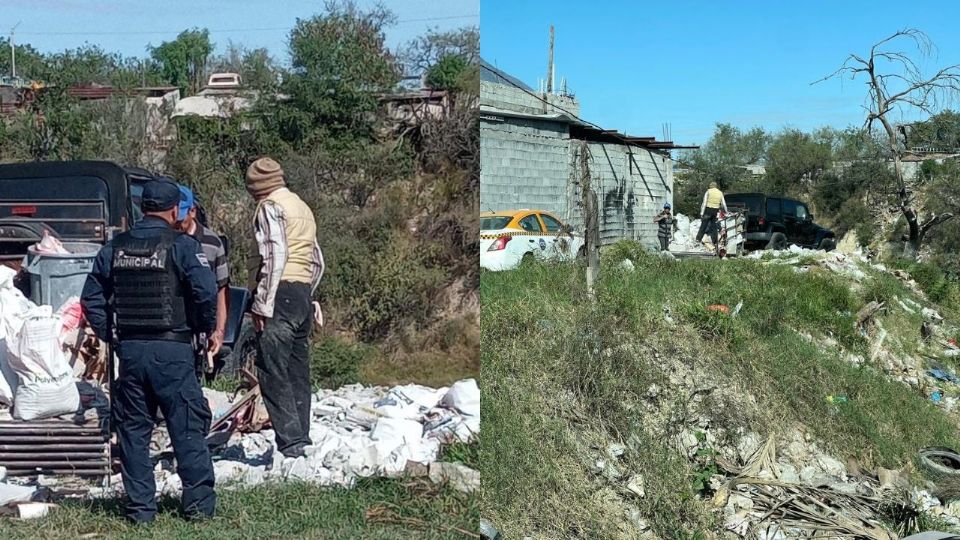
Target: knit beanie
[[264, 176]]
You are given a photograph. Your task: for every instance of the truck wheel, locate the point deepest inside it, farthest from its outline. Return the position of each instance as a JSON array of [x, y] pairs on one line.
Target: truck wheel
[[828, 244], [778, 241], [243, 354]]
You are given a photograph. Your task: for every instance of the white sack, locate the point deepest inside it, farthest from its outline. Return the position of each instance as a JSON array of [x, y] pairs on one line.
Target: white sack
[[46, 387], [8, 377], [464, 396]]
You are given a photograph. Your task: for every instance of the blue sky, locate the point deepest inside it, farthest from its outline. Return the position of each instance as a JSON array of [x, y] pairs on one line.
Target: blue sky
[[636, 65], [128, 26]]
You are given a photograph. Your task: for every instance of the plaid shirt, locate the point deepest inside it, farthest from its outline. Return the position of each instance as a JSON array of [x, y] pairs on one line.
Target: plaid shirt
[[272, 245]]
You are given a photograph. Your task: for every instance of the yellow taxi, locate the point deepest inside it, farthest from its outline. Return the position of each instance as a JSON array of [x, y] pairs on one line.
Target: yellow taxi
[[508, 237]]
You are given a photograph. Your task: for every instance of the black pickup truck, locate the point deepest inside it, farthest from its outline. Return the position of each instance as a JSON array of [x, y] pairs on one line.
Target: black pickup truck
[[777, 222], [91, 201]]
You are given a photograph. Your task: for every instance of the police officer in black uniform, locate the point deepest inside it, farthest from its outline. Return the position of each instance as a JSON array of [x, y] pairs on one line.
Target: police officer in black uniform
[[154, 287]]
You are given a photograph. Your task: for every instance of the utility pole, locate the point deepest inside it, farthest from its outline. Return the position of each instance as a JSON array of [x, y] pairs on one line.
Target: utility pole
[[13, 52], [550, 64]]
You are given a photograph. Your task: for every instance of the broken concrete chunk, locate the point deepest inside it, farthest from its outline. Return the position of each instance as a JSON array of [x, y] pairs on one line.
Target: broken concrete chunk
[[254, 476], [226, 472], [931, 315], [297, 469], [458, 476], [636, 486], [616, 450]]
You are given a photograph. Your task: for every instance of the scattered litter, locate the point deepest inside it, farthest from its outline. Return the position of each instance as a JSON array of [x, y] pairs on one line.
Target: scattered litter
[[464, 396], [736, 310], [627, 265], [943, 375], [837, 400], [940, 463], [10, 493], [48, 245], [636, 486], [33, 510], [719, 308]]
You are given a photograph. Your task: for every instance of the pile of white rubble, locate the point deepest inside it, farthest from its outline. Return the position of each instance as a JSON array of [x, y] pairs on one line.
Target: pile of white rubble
[[357, 432]]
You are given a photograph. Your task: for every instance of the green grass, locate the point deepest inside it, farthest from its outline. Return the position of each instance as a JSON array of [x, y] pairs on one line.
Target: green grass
[[563, 377], [376, 509]]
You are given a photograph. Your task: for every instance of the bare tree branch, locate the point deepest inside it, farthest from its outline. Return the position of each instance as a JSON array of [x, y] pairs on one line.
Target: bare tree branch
[[911, 90]]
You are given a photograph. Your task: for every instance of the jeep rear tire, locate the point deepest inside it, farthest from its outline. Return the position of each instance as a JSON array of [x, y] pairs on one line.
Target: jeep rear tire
[[828, 244], [778, 241], [242, 355]]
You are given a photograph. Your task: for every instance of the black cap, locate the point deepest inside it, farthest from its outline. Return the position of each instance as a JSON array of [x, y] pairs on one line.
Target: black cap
[[159, 195]]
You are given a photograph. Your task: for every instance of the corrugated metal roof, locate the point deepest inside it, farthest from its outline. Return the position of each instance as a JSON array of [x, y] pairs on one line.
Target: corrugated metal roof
[[490, 73]]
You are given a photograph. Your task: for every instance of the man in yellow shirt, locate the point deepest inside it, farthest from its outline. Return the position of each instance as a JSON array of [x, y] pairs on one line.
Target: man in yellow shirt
[[713, 202], [287, 267]]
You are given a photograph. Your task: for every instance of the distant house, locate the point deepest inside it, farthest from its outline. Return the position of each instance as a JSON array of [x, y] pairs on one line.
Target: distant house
[[529, 143], [410, 107], [222, 97]]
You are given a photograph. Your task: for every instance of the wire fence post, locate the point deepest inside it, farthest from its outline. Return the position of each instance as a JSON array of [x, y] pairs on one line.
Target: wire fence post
[[592, 238]]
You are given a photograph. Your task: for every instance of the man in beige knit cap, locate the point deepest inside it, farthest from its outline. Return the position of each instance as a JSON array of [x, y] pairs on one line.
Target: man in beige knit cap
[[285, 272]]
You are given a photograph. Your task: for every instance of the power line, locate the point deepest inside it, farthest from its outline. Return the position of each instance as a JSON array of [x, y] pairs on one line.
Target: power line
[[220, 31]]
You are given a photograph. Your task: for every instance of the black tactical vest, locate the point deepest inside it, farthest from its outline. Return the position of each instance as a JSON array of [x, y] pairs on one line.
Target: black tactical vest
[[147, 294], [665, 229]]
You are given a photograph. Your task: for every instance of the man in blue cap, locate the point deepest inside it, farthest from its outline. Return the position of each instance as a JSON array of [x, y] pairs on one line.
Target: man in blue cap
[[152, 288], [666, 224], [216, 254]]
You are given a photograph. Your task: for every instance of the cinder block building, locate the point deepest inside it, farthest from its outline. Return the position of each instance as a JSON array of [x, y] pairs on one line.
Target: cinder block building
[[530, 143]]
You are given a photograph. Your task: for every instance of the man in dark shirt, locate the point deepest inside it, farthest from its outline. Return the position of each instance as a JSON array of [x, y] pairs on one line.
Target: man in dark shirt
[[217, 255], [152, 287]]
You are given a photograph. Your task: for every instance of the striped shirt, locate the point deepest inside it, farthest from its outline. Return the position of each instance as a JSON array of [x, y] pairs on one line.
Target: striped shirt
[[215, 252], [272, 245]]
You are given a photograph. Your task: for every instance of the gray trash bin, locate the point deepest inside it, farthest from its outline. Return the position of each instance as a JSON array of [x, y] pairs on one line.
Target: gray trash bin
[[55, 278]]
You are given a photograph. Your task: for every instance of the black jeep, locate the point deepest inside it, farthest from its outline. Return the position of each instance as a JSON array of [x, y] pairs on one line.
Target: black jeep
[[777, 222], [91, 201]]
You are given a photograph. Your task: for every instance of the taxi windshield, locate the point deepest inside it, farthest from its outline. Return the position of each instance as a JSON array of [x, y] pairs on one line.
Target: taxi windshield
[[494, 222]]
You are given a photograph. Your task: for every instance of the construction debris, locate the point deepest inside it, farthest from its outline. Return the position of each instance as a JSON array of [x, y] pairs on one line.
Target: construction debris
[[357, 432]]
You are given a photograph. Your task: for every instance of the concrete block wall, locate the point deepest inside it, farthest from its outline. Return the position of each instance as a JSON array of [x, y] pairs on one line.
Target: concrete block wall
[[510, 98], [630, 194], [523, 164]]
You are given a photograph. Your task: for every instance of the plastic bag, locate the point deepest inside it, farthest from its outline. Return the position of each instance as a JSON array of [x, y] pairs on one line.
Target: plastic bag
[[464, 396], [46, 388], [49, 245]]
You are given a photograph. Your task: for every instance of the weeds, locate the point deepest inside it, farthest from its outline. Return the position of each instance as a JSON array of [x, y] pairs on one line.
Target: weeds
[[560, 371]]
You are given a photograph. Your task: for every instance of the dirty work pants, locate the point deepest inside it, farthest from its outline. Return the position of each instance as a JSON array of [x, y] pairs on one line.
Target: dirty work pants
[[283, 365], [664, 243], [708, 225], [160, 374]]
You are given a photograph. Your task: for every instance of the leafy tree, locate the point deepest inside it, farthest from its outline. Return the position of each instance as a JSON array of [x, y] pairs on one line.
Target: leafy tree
[[941, 130], [448, 73], [795, 161], [183, 61], [256, 67], [340, 66], [722, 159], [31, 64], [427, 50]]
